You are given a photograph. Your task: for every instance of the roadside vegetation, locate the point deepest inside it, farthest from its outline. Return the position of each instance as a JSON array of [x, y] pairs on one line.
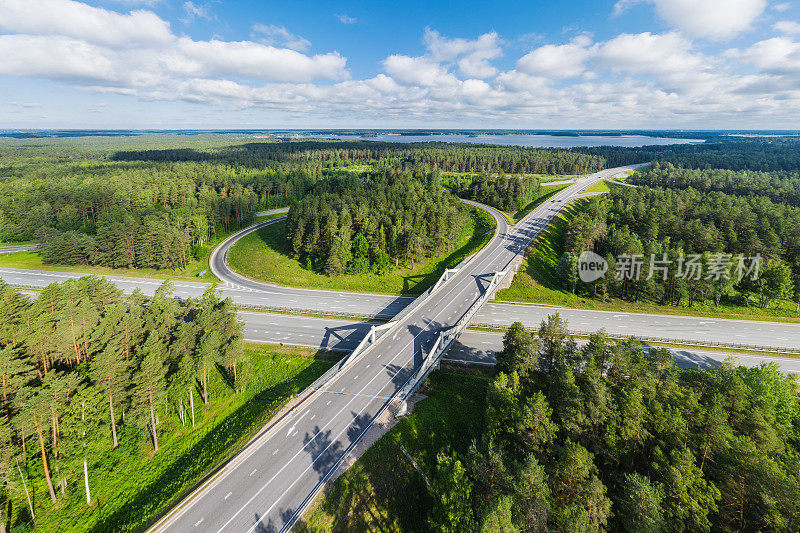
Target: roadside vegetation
[[382, 491], [663, 221], [152, 205], [266, 255], [514, 196], [546, 192], [113, 407], [609, 437], [196, 268], [601, 186]]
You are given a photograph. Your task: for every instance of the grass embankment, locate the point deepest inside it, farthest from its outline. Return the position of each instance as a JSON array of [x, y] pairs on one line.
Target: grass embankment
[[600, 186], [537, 282], [33, 261], [264, 255], [546, 193], [131, 485], [382, 491], [542, 177]]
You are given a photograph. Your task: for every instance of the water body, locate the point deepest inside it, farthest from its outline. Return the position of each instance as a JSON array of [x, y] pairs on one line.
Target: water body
[[534, 141]]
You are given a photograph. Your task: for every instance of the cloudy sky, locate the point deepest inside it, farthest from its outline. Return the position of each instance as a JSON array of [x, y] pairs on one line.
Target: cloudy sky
[[384, 64]]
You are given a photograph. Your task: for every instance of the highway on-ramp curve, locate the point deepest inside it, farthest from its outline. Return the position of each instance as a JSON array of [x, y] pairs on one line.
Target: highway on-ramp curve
[[266, 486]]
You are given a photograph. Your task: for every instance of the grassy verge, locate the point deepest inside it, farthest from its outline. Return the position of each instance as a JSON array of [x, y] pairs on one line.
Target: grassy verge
[[382, 491], [690, 347], [547, 192], [16, 243], [33, 261], [264, 256], [600, 186], [131, 485], [537, 282]]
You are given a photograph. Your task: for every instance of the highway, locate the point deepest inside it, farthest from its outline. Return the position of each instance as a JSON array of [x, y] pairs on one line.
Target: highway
[[473, 346], [18, 248], [266, 486], [253, 294]]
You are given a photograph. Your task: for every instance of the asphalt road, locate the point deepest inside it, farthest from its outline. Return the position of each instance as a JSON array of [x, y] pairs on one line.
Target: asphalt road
[[473, 346], [17, 248], [679, 328], [262, 488], [266, 486]]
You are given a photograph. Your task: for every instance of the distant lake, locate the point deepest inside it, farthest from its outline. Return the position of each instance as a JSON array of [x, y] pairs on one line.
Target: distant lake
[[536, 141]]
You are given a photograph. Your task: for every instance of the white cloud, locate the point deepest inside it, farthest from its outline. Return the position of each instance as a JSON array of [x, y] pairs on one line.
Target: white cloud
[[417, 71], [557, 61], [787, 27], [81, 21], [472, 56], [651, 54], [344, 19], [194, 11], [254, 60], [623, 5], [280, 36], [779, 55], [628, 80], [782, 7], [711, 19], [60, 58], [92, 46]]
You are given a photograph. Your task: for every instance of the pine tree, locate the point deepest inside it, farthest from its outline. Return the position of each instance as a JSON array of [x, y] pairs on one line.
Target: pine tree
[[208, 355], [150, 383], [110, 367], [451, 489]]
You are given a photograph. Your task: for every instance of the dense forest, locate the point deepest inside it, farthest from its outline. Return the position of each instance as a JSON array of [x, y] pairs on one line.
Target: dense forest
[[428, 155], [668, 223], [151, 208], [733, 153], [780, 186], [137, 214], [508, 194], [372, 222], [612, 436], [84, 367]]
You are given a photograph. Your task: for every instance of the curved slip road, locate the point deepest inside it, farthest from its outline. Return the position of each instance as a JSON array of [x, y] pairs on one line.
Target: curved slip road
[[267, 485], [13, 249]]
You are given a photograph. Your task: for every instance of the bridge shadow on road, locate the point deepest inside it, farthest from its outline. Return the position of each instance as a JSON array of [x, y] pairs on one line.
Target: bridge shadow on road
[[685, 359], [344, 337]]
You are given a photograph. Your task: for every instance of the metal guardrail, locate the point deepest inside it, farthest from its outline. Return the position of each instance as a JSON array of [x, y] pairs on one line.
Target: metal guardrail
[[298, 310], [665, 340], [445, 340]]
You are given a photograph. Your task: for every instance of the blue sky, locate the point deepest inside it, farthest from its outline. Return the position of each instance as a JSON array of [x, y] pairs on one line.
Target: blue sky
[[252, 64]]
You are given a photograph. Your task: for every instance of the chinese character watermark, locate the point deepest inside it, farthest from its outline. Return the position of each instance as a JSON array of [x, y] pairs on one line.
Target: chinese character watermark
[[715, 266]]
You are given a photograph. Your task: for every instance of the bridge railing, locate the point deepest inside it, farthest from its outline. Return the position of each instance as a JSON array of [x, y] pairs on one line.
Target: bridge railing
[[446, 339]]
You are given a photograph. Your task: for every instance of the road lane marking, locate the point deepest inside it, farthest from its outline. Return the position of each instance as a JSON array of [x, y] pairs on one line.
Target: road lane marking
[[228, 495], [253, 472], [490, 258], [297, 421]]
